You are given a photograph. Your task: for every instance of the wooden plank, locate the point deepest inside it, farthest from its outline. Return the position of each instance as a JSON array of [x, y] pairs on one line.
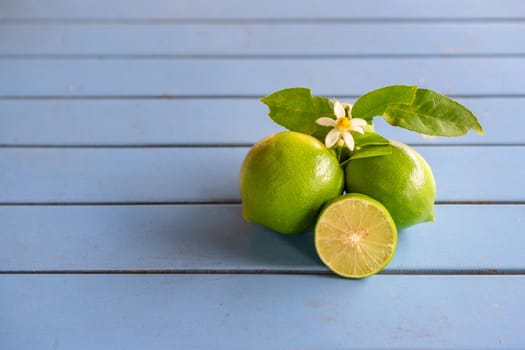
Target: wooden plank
[[157, 122], [255, 77], [30, 175], [384, 38], [261, 312], [237, 9], [190, 122], [206, 238]]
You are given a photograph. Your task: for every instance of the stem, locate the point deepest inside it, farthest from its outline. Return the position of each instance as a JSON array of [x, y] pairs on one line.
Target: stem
[[339, 151], [345, 162]]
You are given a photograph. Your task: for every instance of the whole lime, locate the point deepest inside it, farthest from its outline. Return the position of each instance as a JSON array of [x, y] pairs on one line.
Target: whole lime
[[285, 180], [402, 181]]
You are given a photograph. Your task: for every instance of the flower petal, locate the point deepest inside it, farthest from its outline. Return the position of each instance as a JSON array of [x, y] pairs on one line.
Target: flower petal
[[349, 140], [324, 121], [332, 137], [339, 110], [358, 129], [358, 122]]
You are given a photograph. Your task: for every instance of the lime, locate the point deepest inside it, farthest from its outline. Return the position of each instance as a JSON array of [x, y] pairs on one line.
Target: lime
[[355, 236], [401, 181], [285, 180]]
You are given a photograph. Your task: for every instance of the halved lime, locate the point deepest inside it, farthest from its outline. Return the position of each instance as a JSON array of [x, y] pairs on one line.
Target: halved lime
[[355, 236]]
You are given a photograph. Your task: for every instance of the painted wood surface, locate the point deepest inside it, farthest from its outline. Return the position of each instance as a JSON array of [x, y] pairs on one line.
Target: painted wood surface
[[465, 239], [261, 312], [179, 122], [263, 39], [189, 174], [122, 128], [261, 9], [255, 77]]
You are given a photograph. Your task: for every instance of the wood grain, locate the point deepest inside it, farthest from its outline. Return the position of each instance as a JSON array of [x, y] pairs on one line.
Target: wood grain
[[260, 9], [261, 312], [256, 77], [204, 122], [123, 175], [467, 239], [263, 39]]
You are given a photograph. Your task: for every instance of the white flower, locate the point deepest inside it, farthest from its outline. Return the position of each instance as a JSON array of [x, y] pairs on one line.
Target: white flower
[[342, 126]]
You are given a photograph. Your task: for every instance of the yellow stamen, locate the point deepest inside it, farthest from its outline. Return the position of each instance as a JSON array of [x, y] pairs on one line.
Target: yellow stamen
[[343, 123]]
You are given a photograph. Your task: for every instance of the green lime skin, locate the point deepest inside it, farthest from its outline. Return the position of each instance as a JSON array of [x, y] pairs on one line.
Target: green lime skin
[[402, 181], [285, 180]]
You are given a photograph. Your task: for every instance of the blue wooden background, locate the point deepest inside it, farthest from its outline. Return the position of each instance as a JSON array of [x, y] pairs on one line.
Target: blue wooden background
[[122, 128]]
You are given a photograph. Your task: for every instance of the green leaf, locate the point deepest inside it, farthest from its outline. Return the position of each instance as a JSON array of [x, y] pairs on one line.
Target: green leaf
[[369, 139], [433, 114], [297, 110], [420, 110], [372, 151], [376, 102], [369, 144]]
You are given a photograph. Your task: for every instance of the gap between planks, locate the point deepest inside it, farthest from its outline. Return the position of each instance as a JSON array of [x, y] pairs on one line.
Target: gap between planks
[[422, 272], [212, 97], [218, 202], [103, 56], [224, 145], [255, 20]]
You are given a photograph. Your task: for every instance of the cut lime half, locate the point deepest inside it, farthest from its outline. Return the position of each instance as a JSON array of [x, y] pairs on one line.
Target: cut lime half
[[355, 236]]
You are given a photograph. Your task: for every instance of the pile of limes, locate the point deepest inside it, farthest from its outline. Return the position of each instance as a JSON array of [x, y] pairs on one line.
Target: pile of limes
[[291, 182]]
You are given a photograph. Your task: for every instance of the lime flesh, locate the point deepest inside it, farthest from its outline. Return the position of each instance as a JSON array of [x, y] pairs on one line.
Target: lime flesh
[[355, 236]]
